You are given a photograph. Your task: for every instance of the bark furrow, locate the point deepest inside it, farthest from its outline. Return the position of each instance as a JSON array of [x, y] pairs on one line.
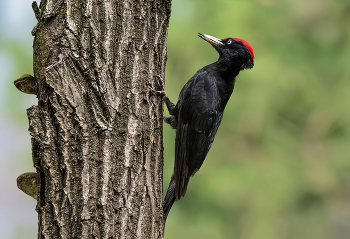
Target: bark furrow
[[97, 130]]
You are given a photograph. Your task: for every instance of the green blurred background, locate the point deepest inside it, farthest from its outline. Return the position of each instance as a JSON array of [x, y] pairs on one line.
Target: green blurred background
[[279, 167]]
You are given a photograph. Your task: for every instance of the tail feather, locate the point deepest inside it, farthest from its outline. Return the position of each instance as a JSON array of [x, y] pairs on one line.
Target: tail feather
[[169, 199]]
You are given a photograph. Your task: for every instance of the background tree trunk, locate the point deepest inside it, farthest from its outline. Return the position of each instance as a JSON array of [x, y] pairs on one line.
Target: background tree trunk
[[97, 132]]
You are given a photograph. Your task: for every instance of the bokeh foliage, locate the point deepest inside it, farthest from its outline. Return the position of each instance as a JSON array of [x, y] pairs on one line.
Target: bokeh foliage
[[279, 167]]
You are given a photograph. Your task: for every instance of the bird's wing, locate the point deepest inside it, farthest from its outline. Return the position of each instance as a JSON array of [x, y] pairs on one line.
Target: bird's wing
[[198, 121]]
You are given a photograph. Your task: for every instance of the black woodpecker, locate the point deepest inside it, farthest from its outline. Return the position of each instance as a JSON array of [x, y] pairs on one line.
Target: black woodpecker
[[198, 112]]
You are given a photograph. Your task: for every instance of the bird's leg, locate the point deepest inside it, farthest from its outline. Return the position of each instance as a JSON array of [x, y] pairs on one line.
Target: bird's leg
[[171, 121], [170, 105]]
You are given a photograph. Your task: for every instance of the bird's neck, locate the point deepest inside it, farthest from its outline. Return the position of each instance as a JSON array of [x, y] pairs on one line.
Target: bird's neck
[[226, 80], [228, 69]]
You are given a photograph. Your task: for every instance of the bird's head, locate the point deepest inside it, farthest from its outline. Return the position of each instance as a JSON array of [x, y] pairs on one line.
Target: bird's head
[[234, 50]]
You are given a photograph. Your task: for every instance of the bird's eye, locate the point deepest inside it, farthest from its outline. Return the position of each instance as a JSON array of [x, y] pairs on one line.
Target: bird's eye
[[229, 41]]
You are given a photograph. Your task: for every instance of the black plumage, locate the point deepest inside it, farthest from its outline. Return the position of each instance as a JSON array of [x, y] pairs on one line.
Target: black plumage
[[199, 110]]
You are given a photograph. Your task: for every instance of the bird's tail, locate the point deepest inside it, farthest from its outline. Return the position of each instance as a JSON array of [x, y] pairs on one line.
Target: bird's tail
[[169, 198]]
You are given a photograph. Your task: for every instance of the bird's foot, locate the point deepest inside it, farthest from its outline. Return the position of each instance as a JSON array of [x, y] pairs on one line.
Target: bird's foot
[[171, 121], [160, 92], [160, 82]]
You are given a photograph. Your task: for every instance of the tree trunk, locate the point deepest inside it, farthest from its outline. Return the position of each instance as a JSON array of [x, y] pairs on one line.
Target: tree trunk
[[97, 130]]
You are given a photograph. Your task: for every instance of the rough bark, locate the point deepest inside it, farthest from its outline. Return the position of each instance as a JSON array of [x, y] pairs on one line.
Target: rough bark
[[97, 130]]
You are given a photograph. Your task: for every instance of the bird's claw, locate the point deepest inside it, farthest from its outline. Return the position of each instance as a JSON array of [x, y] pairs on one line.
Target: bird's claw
[[159, 92], [160, 82]]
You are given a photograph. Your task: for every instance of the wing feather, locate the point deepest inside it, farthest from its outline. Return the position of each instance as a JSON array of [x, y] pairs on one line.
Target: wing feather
[[197, 126]]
